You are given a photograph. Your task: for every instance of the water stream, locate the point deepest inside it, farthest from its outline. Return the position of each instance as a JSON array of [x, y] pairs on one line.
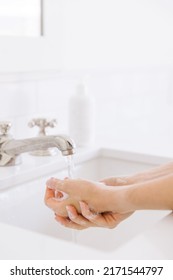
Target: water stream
[[70, 166], [70, 175]]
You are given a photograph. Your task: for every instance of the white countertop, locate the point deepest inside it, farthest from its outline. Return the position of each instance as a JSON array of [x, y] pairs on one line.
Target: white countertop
[[36, 246], [152, 244]]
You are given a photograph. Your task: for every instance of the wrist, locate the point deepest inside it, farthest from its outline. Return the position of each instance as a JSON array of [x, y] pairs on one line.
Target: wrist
[[121, 199]]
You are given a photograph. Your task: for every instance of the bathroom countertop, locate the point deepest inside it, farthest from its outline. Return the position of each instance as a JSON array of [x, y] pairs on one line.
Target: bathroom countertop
[[152, 244], [155, 243], [35, 246]]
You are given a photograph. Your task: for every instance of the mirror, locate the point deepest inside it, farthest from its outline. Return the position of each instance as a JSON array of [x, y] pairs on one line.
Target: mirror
[[30, 51], [21, 18]]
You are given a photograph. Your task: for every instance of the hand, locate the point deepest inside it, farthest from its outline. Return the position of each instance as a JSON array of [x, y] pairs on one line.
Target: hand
[[93, 193], [89, 219], [99, 196], [84, 217]]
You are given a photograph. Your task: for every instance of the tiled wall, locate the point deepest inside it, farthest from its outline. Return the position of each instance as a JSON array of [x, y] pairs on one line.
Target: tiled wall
[[138, 101]]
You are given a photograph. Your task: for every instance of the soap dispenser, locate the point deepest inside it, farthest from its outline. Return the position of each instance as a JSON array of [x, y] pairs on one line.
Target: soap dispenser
[[82, 117]]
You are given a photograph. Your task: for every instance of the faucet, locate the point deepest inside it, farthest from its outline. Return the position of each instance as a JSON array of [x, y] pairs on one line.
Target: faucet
[[10, 148]]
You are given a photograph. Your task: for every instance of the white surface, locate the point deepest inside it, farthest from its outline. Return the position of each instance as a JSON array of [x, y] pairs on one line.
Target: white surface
[[113, 41], [155, 243], [19, 53], [18, 244], [35, 234]]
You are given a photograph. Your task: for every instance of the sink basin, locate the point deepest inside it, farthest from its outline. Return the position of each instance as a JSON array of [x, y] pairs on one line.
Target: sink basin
[[22, 198]]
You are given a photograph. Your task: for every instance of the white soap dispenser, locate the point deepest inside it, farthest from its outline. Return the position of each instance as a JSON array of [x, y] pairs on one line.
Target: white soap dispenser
[[82, 117]]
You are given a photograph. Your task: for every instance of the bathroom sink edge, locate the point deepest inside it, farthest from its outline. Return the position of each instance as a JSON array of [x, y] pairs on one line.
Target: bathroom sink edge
[[34, 167]]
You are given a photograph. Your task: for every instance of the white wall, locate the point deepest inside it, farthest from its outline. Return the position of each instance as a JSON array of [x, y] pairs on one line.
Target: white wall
[[94, 33], [134, 108], [111, 33], [125, 50]]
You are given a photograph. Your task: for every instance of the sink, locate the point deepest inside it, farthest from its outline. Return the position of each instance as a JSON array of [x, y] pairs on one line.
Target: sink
[[22, 196]]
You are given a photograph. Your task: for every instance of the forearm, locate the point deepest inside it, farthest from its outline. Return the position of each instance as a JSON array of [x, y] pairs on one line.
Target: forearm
[[154, 194], [151, 174]]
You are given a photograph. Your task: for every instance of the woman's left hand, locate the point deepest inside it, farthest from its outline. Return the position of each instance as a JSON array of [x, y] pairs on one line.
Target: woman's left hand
[[89, 219]]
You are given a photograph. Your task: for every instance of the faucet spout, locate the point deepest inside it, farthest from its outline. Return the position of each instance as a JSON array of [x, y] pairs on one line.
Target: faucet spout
[[11, 148]]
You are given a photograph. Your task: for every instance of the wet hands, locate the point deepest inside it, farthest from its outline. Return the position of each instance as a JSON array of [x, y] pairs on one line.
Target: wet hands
[[93, 193], [89, 204], [107, 203]]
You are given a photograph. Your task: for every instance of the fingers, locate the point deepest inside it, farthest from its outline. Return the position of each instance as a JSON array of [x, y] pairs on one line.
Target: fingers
[[77, 218], [109, 181], [68, 186], [87, 213], [115, 181], [89, 219], [66, 222], [49, 196], [99, 220], [55, 203], [50, 199], [74, 220]]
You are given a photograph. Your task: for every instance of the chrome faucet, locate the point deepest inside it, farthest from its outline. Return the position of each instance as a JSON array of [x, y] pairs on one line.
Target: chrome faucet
[[10, 149]]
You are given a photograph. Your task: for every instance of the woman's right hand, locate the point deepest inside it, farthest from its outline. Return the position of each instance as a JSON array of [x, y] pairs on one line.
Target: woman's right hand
[[89, 219]]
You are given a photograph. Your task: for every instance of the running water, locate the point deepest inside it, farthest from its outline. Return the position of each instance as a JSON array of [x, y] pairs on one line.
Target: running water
[[70, 166], [70, 175]]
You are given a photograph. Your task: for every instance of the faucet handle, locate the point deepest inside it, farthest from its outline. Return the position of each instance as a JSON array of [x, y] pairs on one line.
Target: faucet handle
[[5, 127], [42, 123]]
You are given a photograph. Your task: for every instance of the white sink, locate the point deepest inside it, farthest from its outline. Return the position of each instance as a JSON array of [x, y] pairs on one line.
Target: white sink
[[22, 198]]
